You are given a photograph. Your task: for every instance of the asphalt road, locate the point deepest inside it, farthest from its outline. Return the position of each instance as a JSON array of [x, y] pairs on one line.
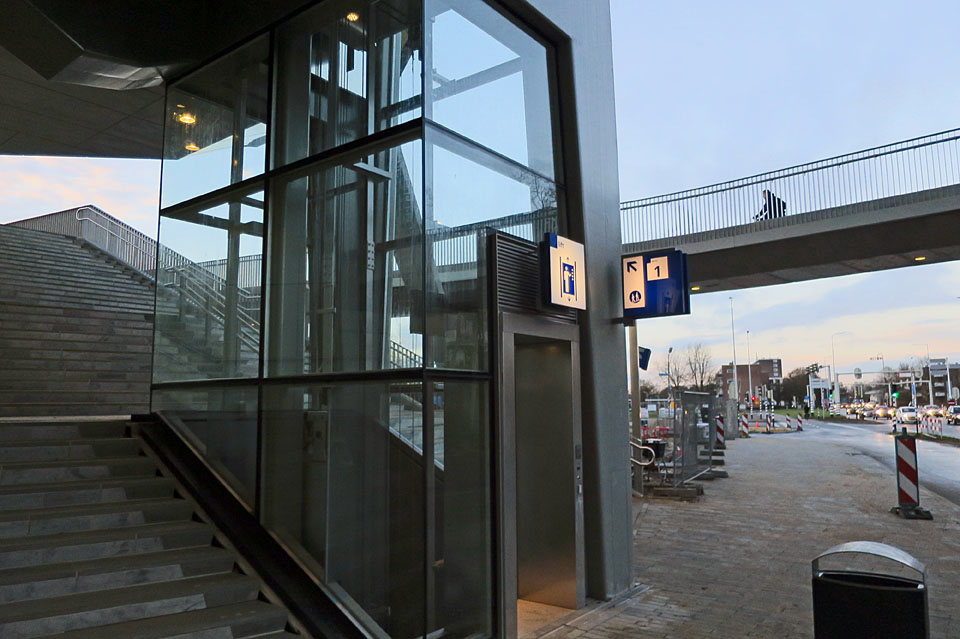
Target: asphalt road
[[939, 464]]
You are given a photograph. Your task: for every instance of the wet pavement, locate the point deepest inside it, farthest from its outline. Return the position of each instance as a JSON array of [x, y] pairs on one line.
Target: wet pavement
[[939, 463], [737, 563]]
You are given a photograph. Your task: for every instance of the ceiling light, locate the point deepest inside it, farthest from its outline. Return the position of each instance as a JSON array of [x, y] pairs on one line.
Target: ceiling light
[[694, 288], [919, 258], [192, 146], [187, 118], [353, 16], [181, 106]]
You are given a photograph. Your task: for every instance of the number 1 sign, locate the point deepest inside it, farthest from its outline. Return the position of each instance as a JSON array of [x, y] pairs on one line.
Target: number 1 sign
[[655, 284]]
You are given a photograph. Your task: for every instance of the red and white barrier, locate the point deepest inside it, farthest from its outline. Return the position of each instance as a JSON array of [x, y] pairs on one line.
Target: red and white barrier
[[721, 437], [908, 485], [789, 423], [908, 480], [743, 425], [799, 422]]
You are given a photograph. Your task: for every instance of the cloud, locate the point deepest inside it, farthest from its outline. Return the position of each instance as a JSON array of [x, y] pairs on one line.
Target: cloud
[[126, 189]]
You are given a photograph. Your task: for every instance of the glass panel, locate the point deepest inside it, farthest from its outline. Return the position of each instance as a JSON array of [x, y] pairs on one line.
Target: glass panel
[[489, 82], [471, 191], [462, 604], [207, 322], [223, 424], [346, 266], [345, 71], [216, 130], [343, 486]]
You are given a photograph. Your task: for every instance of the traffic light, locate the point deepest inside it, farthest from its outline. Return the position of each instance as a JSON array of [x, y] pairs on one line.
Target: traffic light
[[896, 395], [754, 398]]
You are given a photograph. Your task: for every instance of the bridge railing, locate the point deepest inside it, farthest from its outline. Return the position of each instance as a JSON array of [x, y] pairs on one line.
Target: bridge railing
[[912, 166], [101, 230]]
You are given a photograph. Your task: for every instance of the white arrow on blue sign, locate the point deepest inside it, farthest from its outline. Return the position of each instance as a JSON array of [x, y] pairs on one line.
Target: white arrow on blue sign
[[634, 284]]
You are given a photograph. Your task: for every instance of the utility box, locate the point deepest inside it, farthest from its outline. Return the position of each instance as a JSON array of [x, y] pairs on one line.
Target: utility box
[[850, 604]]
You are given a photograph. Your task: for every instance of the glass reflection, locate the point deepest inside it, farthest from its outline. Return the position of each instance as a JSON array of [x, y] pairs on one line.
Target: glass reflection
[[224, 422], [207, 322], [461, 603], [490, 82], [344, 488], [216, 132], [343, 75], [346, 266], [470, 192]]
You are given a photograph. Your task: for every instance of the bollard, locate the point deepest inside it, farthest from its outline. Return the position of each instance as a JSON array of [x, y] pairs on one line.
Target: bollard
[[789, 425], [721, 438], [908, 480], [743, 426], [799, 422]]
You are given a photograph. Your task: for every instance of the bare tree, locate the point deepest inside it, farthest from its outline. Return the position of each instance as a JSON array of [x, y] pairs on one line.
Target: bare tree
[[698, 364], [672, 367]]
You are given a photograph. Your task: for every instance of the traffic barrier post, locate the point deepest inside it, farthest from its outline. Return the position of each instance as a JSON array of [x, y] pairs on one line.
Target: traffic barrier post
[[908, 480], [721, 435]]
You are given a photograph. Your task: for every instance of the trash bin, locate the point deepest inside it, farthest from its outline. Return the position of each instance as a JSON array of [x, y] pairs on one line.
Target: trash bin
[[861, 605]]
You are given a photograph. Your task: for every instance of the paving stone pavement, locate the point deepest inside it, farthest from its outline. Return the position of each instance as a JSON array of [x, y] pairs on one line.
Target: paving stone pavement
[[737, 563]]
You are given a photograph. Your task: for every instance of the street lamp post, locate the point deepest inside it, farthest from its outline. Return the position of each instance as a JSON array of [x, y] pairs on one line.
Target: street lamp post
[[670, 382], [883, 372], [733, 336], [929, 373], [750, 374], [836, 375]]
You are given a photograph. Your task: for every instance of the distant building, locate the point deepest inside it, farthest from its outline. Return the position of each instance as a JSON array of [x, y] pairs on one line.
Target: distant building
[[763, 372]]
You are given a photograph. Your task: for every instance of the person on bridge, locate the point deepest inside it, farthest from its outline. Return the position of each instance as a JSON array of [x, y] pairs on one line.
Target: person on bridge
[[772, 207]]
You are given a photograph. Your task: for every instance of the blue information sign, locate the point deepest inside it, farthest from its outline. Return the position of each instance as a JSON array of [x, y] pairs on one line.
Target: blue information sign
[[656, 284]]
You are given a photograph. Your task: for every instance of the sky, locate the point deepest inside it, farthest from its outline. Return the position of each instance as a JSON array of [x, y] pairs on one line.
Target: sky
[[707, 92]]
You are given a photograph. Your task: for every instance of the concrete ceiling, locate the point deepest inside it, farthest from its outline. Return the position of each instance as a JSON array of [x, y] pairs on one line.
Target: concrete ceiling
[[81, 82], [41, 117]]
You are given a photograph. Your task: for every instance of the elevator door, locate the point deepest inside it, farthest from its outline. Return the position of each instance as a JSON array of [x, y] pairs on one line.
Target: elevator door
[[548, 473]]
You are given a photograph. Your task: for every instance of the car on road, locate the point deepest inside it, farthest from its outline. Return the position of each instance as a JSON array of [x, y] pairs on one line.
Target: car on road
[[906, 414], [931, 411], [953, 415], [884, 412]]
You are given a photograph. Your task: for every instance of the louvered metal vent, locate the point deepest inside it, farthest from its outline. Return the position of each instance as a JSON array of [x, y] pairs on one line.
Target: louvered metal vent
[[516, 266]]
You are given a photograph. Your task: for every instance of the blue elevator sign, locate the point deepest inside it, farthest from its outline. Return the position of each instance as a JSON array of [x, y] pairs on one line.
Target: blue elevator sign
[[563, 268], [656, 284]]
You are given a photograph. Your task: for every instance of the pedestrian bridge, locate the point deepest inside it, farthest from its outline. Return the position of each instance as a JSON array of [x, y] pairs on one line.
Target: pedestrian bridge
[[872, 210]]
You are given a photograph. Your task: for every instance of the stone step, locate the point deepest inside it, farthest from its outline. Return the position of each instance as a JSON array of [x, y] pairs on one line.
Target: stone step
[[98, 544], [244, 620], [80, 365], [87, 610], [59, 471], [70, 519], [55, 450], [11, 398], [89, 491], [74, 410], [57, 580], [25, 311], [100, 303], [89, 281], [33, 431], [69, 383]]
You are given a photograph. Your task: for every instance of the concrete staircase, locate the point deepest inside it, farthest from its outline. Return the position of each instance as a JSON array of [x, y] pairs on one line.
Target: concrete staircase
[[96, 542], [75, 329]]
